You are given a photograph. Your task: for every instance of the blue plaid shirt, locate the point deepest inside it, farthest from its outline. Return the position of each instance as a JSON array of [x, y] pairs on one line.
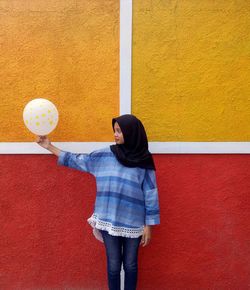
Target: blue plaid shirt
[[126, 198]]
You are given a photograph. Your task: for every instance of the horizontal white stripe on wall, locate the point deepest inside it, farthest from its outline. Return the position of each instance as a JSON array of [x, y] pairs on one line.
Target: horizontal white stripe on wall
[[154, 147]]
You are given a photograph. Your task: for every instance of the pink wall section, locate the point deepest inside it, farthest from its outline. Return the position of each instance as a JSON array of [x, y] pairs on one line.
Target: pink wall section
[[203, 241]]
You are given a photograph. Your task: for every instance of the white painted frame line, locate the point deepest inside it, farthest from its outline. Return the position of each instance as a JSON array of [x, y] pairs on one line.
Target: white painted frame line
[[154, 147], [125, 108], [125, 56]]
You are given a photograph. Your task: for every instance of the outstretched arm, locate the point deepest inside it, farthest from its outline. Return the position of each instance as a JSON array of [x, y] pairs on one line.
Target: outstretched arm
[[80, 161]]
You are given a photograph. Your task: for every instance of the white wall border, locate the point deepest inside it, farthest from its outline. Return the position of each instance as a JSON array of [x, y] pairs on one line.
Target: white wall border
[[125, 56], [154, 147], [200, 147]]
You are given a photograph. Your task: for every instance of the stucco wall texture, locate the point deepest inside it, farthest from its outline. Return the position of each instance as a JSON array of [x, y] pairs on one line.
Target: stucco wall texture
[[202, 242], [191, 69], [190, 83], [64, 51]]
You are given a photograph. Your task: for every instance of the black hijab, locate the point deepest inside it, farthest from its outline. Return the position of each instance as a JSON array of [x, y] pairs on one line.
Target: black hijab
[[134, 152]]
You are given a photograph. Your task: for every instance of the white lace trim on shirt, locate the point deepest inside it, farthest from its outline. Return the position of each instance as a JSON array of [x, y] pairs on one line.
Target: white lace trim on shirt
[[98, 224]]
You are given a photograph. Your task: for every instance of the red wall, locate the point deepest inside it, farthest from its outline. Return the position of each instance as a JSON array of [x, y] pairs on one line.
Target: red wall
[[203, 241]]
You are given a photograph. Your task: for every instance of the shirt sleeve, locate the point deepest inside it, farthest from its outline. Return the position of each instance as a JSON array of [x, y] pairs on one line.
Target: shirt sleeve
[[150, 191], [82, 162]]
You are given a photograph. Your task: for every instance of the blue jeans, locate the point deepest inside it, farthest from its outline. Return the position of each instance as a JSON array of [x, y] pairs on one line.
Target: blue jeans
[[121, 250]]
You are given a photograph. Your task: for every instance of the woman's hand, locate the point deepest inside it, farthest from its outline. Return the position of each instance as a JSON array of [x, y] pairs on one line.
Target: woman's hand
[[146, 236], [43, 141]]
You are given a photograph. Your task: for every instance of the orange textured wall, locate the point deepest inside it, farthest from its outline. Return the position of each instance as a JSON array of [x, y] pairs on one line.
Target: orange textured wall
[[67, 52]]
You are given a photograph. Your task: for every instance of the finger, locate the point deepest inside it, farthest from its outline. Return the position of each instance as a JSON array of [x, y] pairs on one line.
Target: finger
[[147, 240], [38, 139]]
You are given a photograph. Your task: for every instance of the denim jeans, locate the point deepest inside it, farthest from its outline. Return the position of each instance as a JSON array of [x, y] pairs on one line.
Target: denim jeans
[[121, 250]]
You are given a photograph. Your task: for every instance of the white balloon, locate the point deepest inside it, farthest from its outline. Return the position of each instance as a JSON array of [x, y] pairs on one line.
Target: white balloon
[[40, 116]]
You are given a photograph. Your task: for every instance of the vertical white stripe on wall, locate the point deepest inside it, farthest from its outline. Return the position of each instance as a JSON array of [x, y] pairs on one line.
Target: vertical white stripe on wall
[[125, 55], [125, 66]]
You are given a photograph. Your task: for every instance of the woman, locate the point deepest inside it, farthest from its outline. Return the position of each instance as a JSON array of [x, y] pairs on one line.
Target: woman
[[126, 203]]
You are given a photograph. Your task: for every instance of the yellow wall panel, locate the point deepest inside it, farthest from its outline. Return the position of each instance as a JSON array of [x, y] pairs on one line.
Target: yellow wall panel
[[68, 52], [191, 69]]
